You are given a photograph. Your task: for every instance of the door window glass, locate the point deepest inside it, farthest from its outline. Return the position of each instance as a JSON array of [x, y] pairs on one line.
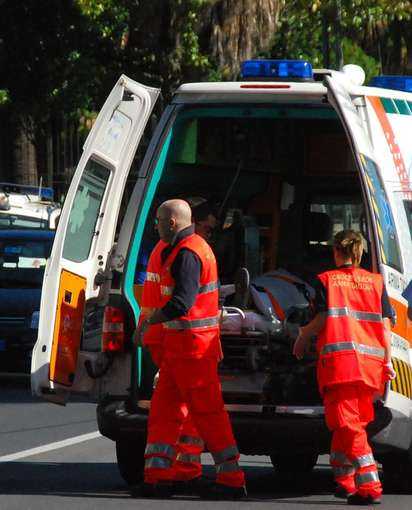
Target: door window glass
[[385, 223], [408, 209], [85, 211]]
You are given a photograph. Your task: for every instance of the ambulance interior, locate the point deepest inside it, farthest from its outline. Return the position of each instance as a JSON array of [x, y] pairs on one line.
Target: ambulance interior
[[282, 181]]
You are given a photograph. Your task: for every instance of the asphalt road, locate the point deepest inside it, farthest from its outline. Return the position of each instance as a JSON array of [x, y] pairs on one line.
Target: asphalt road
[[84, 475]]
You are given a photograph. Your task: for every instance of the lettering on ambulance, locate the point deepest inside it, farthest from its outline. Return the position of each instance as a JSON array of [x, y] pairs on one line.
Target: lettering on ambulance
[[382, 106]]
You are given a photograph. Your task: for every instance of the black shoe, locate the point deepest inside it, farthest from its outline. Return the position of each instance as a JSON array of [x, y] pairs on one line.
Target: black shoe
[[194, 487], [357, 499], [160, 490], [218, 491], [342, 493]]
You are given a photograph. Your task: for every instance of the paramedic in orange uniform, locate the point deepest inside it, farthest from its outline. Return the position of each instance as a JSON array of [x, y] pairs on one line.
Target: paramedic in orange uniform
[[352, 325], [187, 467], [188, 381]]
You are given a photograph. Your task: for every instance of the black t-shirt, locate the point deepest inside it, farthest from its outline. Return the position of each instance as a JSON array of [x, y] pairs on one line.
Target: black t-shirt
[[186, 269], [320, 302]]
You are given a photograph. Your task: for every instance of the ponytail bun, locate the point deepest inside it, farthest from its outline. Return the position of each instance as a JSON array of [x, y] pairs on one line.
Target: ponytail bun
[[350, 245]]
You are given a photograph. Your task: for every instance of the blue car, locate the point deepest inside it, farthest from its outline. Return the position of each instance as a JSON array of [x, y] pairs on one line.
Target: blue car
[[23, 256]]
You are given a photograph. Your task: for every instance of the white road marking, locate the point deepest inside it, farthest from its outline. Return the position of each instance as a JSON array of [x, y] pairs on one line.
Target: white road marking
[[51, 446]]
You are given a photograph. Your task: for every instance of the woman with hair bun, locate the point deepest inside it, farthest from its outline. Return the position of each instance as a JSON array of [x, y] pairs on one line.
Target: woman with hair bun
[[352, 325]]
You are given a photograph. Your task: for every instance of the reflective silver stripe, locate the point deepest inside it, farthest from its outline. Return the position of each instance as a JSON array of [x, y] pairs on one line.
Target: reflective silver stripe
[[166, 290], [228, 467], [152, 277], [192, 440], [340, 458], [353, 346], [209, 287], [364, 460], [371, 476], [343, 470], [157, 463], [165, 449], [188, 457], [355, 314], [195, 323], [230, 452]]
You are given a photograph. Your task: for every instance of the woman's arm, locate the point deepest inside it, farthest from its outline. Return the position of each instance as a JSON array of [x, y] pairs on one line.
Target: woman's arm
[[307, 332]]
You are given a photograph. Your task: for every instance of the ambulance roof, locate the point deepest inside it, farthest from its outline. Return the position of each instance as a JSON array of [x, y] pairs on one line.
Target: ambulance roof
[[246, 91]]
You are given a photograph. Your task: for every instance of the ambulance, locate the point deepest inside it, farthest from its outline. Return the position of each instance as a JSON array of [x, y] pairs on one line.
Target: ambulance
[[290, 155]]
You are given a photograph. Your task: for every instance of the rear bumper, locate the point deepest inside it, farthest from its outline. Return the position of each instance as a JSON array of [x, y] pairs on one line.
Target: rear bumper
[[256, 433]]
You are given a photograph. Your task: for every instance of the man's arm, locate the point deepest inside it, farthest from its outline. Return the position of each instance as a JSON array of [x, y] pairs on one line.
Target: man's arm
[[186, 273]]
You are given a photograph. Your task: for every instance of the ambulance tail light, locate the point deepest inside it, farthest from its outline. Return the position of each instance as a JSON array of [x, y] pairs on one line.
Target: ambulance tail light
[[403, 83], [277, 70], [113, 329]]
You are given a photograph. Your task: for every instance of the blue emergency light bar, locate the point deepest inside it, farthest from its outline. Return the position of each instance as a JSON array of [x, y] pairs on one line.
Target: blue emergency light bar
[[403, 83], [277, 70]]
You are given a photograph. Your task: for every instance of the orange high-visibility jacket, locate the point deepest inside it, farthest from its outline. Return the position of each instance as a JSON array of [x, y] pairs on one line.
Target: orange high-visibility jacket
[[196, 334], [151, 298], [351, 345]]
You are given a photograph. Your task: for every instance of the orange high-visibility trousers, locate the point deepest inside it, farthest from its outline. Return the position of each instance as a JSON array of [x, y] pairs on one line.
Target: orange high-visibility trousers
[[190, 386], [190, 445], [348, 409]]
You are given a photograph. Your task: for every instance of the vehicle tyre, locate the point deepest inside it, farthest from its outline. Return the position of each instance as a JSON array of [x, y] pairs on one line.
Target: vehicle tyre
[[397, 473], [130, 460], [291, 464]]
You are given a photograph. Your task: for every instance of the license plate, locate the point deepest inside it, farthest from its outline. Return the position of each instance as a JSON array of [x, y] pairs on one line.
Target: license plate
[[2, 345]]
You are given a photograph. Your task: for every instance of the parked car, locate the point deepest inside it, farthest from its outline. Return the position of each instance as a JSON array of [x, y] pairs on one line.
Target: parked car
[[23, 256], [27, 207]]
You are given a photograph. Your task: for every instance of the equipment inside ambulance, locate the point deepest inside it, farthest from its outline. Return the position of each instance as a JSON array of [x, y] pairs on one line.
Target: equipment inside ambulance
[[291, 156]]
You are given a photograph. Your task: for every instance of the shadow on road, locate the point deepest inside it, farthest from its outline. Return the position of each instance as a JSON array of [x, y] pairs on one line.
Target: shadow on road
[[102, 480]]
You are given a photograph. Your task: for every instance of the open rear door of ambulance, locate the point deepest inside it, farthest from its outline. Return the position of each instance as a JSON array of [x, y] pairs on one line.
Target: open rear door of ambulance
[[384, 240], [84, 239]]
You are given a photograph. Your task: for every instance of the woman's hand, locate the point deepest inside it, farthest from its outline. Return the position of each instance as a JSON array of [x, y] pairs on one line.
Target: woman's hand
[[389, 373], [300, 345]]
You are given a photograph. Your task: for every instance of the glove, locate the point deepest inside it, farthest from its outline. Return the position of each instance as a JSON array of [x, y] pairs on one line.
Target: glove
[[389, 373]]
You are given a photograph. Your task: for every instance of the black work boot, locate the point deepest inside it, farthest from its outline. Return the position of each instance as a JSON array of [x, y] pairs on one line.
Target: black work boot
[[194, 487], [218, 491], [159, 490], [342, 493], [357, 499]]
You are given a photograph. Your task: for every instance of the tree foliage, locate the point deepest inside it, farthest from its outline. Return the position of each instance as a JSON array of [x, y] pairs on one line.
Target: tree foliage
[[371, 33]]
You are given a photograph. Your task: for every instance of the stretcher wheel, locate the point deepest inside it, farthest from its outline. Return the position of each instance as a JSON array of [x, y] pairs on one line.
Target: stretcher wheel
[[130, 460], [290, 464]]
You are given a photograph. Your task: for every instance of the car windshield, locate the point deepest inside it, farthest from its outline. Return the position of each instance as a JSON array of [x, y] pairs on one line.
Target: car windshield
[[8, 221], [22, 261]]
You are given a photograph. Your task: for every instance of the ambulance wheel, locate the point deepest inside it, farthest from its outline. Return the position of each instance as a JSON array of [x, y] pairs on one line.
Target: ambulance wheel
[[294, 464], [397, 473], [130, 460]]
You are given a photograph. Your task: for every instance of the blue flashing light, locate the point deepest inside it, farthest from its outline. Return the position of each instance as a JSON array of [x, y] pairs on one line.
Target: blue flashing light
[[277, 69], [403, 83]]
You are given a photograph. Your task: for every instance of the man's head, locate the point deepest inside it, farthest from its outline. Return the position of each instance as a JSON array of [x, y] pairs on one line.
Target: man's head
[[172, 216], [204, 219]]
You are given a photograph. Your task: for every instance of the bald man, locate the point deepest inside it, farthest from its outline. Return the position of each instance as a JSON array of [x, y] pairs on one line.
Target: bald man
[[188, 384]]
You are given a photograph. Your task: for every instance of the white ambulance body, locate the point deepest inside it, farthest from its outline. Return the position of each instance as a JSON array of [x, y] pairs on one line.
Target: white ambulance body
[[298, 156]]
